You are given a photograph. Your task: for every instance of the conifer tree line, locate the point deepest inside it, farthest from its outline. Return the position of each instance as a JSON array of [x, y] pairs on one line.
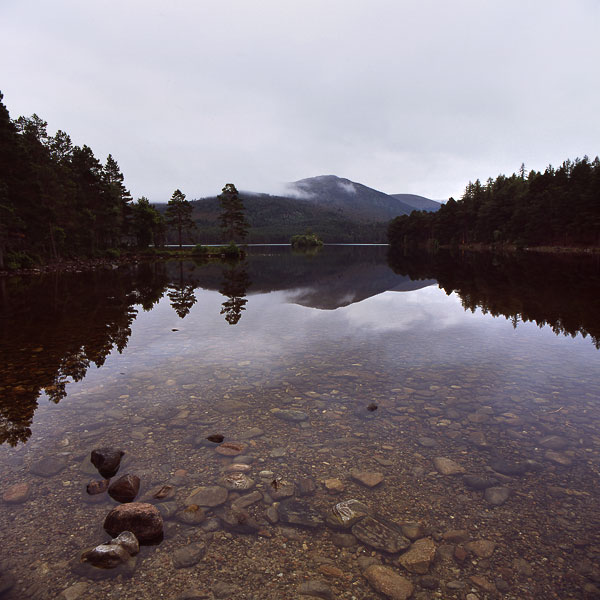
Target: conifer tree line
[[57, 201], [556, 207]]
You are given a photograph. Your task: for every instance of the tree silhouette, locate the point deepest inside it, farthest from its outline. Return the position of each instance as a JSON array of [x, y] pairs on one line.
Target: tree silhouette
[[234, 286], [179, 214], [232, 219]]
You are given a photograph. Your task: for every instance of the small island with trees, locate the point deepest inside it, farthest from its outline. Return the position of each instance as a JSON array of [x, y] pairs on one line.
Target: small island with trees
[[306, 240]]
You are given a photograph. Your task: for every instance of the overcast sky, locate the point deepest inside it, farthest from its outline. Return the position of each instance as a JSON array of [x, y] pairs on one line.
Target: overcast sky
[[416, 97]]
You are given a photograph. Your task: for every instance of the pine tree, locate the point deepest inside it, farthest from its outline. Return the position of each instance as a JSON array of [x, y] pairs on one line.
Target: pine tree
[[179, 214], [232, 219]]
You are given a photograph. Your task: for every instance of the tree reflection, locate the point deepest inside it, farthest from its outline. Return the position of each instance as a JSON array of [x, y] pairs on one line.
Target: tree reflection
[[561, 291], [234, 286], [181, 295]]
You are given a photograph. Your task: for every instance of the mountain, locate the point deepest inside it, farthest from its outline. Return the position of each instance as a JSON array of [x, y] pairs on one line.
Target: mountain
[[336, 209], [418, 202], [351, 199]]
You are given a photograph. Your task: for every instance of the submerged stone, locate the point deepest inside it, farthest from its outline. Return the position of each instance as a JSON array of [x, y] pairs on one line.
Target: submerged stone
[[345, 514], [381, 534], [212, 495], [237, 481], [125, 489], [144, 520], [389, 582], [106, 556], [299, 512], [107, 461]]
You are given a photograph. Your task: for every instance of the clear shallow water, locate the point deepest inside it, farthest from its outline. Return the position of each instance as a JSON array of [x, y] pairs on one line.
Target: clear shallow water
[[331, 336]]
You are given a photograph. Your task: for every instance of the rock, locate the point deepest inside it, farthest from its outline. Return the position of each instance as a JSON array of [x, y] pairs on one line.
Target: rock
[[484, 584], [162, 492], [429, 583], [367, 478], [418, 558], [212, 495], [331, 571], [95, 486], [427, 442], [247, 500], [299, 512], [558, 458], [479, 483], [272, 515], [306, 486], [230, 449], [333, 485], [496, 496], [251, 433], [522, 567], [74, 592], [315, 588], [343, 540], [237, 468], [223, 590], [345, 514], [211, 524], [194, 594], [237, 481], [106, 556], [48, 466], [216, 438], [456, 536], [280, 489], [287, 414], [107, 461], [506, 467], [188, 556], [388, 582], [168, 509], [17, 493], [124, 489], [554, 442], [481, 548], [445, 466], [142, 519], [240, 521], [278, 452], [380, 534], [413, 531], [460, 554], [127, 540], [191, 515]]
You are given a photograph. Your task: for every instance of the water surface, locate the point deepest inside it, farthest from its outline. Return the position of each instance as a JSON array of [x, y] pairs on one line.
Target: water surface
[[490, 363]]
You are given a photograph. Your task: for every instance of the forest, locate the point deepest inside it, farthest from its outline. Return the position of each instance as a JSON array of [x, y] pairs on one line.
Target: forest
[[557, 207], [57, 200]]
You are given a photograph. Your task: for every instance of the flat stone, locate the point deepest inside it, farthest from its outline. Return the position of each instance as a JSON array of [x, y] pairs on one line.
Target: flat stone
[[479, 483], [345, 514], [191, 515], [230, 449], [299, 512], [194, 594], [419, 556], [334, 485], [315, 588], [287, 414], [48, 466], [481, 548], [306, 486], [188, 556], [367, 478], [247, 500], [223, 590], [558, 458], [17, 493], [554, 442], [446, 466], [388, 582], [497, 496], [280, 489], [506, 467], [427, 442], [413, 531], [106, 556], [380, 534], [456, 536], [237, 481], [343, 540], [483, 583], [237, 468], [75, 591], [212, 495], [142, 519], [253, 432], [124, 489]]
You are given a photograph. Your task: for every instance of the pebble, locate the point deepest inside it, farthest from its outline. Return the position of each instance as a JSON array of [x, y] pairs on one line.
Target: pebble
[[191, 515], [446, 466], [237, 481], [306, 486], [188, 556], [483, 583], [230, 449], [74, 591], [479, 483], [334, 485], [48, 466], [367, 478], [481, 548], [17, 493], [388, 582], [212, 495], [419, 556], [496, 496], [247, 500], [315, 588]]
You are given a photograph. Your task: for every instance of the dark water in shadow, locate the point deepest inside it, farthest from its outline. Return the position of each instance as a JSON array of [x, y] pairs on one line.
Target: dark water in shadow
[[314, 367]]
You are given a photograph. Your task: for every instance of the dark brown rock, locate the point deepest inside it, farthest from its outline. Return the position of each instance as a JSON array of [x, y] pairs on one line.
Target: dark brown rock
[[388, 582], [142, 519], [125, 489], [107, 461]]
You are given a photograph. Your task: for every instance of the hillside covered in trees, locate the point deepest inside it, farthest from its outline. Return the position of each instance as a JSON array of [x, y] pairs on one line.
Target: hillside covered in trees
[[557, 207]]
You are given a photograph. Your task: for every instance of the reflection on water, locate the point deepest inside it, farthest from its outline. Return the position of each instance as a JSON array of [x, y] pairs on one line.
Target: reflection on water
[[318, 342]]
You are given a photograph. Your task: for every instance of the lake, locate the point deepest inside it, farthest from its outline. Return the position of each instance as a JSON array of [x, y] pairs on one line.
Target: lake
[[335, 424]]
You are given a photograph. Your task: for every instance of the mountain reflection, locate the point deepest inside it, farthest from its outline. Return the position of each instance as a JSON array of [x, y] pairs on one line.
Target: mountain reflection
[[561, 291]]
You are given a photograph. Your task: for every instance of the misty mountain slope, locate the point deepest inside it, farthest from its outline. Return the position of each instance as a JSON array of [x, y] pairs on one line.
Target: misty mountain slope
[[349, 198], [418, 202]]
